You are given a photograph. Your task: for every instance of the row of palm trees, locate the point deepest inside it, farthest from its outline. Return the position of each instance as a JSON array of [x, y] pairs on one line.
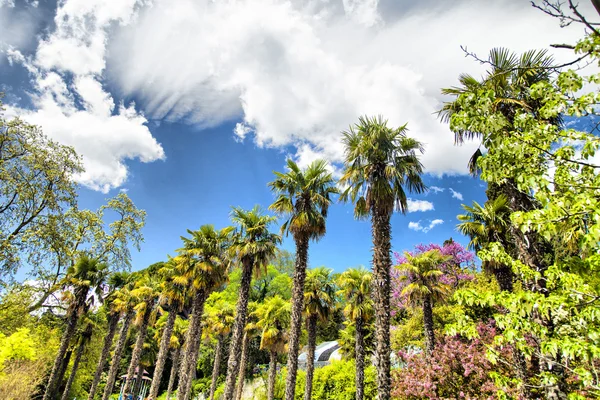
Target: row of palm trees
[[381, 165]]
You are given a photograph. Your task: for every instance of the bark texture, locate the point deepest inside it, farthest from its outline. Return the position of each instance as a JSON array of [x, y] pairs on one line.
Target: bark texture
[[114, 365], [242, 372], [359, 355], [163, 352], [113, 321], [311, 327], [296, 323], [428, 324], [175, 355], [272, 375], [137, 384], [136, 355], [239, 325], [76, 362], [381, 278], [72, 319], [192, 344], [216, 367]]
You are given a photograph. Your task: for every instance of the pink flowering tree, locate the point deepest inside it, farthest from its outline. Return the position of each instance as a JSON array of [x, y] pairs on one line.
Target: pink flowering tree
[[459, 268]]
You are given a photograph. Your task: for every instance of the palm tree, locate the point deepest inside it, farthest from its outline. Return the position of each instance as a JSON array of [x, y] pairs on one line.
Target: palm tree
[[84, 338], [273, 318], [204, 261], [380, 162], [124, 303], [249, 332], [179, 331], [254, 246], [422, 272], [303, 197], [319, 299], [219, 318], [485, 225], [173, 295], [146, 294], [116, 281], [355, 286], [85, 275]]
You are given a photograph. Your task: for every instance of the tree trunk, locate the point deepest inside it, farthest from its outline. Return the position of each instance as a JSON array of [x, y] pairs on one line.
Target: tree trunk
[[78, 355], [504, 277], [296, 323], [113, 321], [428, 325], [382, 263], [239, 325], [359, 355], [242, 373], [175, 359], [311, 327], [163, 352], [136, 355], [63, 368], [272, 375], [216, 367], [116, 359], [72, 319], [137, 384], [192, 344]]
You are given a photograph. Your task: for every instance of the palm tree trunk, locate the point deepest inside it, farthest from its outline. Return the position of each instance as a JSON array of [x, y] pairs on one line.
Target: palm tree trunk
[[113, 321], [175, 359], [239, 325], [382, 263], [72, 319], [272, 375], [311, 327], [428, 324], [192, 344], [137, 384], [116, 359], [137, 350], [63, 368], [242, 373], [359, 355], [163, 352], [216, 367], [296, 323], [78, 356]]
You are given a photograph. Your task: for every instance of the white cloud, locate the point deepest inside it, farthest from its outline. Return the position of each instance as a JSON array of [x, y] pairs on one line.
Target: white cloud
[[416, 226], [298, 72], [70, 102], [456, 195], [436, 189], [419, 205]]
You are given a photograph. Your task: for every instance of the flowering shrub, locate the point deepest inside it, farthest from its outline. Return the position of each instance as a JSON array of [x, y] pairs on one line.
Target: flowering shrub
[[457, 369]]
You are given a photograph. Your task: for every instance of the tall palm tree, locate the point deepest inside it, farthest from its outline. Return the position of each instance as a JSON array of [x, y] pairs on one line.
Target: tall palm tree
[[422, 271], [204, 260], [249, 332], [380, 164], [319, 301], [355, 286], [303, 198], [254, 246], [488, 224], [116, 281], [219, 321], [273, 319], [146, 293], [124, 303], [84, 338], [86, 275], [173, 296]]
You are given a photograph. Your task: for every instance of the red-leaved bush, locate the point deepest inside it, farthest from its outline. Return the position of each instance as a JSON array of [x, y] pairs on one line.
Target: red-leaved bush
[[457, 369]]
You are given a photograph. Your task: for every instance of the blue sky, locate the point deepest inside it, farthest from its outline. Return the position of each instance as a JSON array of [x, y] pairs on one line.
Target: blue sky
[[189, 105]]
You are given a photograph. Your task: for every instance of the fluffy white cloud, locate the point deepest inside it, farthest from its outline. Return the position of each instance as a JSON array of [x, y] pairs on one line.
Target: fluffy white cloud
[[455, 194], [416, 226], [70, 102], [298, 72], [419, 205], [436, 189]]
